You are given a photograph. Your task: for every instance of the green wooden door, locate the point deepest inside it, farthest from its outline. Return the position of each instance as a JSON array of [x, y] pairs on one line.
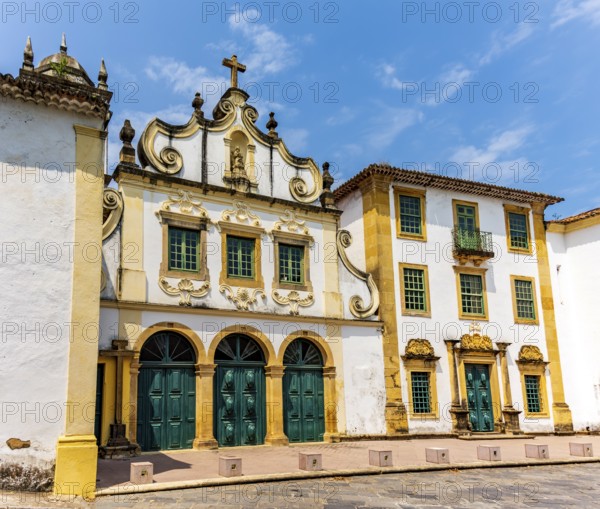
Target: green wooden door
[[99, 401], [166, 393], [304, 406], [479, 397], [240, 410]]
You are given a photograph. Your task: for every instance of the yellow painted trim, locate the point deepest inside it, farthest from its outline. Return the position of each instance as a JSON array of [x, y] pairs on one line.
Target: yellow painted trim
[[416, 193], [377, 221], [428, 366], [263, 341], [466, 203], [536, 369], [179, 328], [108, 396], [246, 232], [240, 315], [412, 312], [76, 450], [478, 272], [526, 321], [527, 213], [561, 413], [574, 226], [466, 357]]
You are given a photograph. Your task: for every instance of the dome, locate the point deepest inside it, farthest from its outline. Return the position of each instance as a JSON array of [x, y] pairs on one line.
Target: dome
[[62, 65]]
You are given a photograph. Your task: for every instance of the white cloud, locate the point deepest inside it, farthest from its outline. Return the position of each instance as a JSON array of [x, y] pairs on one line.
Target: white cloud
[[182, 78], [295, 139], [458, 73], [502, 43], [343, 116], [387, 75], [396, 120], [270, 52], [569, 10], [496, 158]]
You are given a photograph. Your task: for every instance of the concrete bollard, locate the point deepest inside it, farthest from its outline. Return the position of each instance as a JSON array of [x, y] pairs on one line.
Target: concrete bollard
[[437, 455], [380, 458], [230, 466], [488, 453], [539, 452], [310, 462], [581, 449], [141, 472]]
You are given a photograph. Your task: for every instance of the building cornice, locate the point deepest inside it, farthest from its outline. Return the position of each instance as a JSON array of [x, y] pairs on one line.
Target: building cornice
[[425, 179]]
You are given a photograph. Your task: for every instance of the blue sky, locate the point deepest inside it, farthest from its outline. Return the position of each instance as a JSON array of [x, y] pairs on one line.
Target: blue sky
[[499, 92]]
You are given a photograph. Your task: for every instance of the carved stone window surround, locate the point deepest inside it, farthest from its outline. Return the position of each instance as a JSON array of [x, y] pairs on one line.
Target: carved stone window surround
[[195, 223]]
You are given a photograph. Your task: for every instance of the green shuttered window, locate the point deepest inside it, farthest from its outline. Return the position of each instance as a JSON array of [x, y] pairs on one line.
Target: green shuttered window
[[471, 290], [240, 257], [410, 215], [184, 250], [421, 395], [291, 264]]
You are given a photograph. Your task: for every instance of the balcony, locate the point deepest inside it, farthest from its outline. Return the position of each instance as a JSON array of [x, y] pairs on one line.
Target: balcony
[[471, 245]]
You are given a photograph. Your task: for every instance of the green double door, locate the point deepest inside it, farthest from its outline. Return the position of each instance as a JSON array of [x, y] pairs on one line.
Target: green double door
[[166, 394], [479, 397], [304, 409], [240, 410]]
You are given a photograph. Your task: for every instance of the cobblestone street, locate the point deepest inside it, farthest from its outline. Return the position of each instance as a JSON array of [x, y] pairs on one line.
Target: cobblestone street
[[543, 486]]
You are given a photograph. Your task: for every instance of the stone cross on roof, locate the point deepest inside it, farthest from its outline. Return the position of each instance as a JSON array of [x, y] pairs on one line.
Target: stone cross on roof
[[235, 66]]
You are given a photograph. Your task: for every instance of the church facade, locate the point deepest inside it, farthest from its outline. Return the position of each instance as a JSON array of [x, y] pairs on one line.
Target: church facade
[[214, 292]]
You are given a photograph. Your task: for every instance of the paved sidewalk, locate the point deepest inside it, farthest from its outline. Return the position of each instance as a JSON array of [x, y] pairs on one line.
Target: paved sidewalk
[[190, 468]]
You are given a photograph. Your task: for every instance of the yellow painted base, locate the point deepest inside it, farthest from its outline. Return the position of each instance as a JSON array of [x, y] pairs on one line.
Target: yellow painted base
[[563, 421], [76, 464], [396, 418]]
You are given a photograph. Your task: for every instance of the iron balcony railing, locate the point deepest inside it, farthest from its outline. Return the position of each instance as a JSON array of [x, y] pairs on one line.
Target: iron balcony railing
[[472, 242]]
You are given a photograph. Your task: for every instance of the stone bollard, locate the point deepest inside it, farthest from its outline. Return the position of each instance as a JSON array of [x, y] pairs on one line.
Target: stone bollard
[[310, 462], [141, 472], [488, 453], [539, 452], [230, 466], [437, 455], [380, 458], [581, 449]]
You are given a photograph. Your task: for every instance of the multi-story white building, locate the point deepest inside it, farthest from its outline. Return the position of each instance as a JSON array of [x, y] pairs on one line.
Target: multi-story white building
[[470, 336]]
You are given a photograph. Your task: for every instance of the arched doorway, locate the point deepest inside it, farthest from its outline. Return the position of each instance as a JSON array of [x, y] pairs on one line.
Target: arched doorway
[[240, 410], [304, 406], [166, 393]]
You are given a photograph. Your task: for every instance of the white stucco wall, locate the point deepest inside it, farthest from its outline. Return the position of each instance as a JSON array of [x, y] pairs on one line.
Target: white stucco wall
[[37, 157], [575, 280]]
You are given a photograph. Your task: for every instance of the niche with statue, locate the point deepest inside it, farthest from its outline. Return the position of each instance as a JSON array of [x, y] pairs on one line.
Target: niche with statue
[[240, 171]]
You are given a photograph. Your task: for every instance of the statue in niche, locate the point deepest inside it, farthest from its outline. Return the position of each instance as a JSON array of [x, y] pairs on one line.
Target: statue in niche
[[237, 163]]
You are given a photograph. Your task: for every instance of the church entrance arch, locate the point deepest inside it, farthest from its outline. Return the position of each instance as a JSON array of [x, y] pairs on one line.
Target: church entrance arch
[[239, 399], [166, 393]]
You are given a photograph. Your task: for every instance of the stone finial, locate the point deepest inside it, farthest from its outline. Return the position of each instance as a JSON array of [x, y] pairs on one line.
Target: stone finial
[[327, 198], [127, 154], [63, 44], [102, 76], [272, 125], [28, 55], [197, 105]]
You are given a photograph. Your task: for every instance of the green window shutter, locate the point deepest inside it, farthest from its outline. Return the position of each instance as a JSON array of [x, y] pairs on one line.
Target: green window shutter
[[421, 393], [291, 264], [524, 298], [410, 215], [240, 257], [532, 393], [471, 291], [415, 297], [184, 250], [517, 225], [465, 215]]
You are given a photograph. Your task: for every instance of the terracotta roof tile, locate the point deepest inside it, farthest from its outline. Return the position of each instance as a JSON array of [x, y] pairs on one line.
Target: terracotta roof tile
[[577, 217], [426, 179]]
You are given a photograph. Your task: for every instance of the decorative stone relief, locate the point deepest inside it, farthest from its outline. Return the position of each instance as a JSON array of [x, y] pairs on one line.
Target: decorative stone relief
[[185, 203], [476, 342], [293, 300], [242, 214], [357, 305], [419, 349], [112, 202], [530, 353], [291, 223], [185, 290], [243, 298]]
